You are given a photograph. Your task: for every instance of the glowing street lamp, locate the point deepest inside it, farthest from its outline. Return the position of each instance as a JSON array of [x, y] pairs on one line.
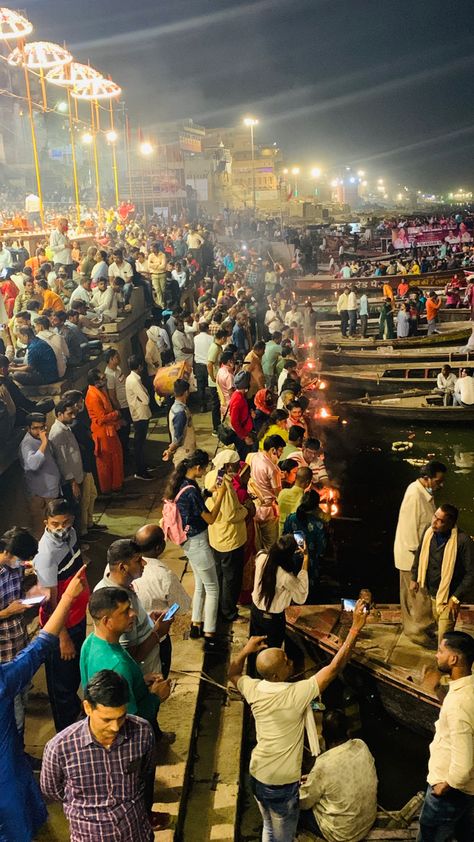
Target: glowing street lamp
[[13, 26], [111, 136], [74, 73], [361, 173], [39, 55], [146, 148], [316, 172], [251, 122], [87, 138], [62, 107]]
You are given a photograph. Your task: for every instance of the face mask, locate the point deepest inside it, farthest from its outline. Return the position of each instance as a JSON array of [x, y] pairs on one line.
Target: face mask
[[429, 490], [60, 534]]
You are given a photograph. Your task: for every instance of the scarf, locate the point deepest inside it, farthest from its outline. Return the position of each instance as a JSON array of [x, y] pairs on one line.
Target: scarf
[[447, 565], [309, 723]]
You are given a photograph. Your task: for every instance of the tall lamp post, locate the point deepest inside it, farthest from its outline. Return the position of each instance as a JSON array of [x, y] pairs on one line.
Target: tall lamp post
[[296, 171], [67, 76], [93, 90], [251, 122], [38, 55]]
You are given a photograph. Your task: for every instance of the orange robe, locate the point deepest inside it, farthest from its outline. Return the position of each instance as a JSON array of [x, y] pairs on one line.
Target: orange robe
[[108, 450]]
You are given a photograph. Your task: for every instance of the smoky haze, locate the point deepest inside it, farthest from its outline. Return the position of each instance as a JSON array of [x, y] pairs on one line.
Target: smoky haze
[[332, 81]]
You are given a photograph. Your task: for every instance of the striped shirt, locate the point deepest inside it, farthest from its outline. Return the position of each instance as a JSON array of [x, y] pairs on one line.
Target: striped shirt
[[102, 789]]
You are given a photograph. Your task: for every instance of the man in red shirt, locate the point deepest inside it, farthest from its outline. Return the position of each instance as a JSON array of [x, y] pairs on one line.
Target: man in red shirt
[[239, 414]]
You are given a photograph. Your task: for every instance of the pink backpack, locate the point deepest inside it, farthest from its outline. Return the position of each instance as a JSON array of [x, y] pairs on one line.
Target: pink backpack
[[172, 524]]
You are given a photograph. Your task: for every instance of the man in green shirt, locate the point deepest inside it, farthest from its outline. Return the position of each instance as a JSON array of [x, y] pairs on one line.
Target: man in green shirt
[[290, 498], [113, 615], [270, 357]]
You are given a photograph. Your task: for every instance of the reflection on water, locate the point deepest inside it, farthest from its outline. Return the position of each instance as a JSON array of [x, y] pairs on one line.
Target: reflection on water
[[463, 459]]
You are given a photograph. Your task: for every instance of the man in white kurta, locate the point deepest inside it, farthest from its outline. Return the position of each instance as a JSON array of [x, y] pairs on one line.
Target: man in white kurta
[[416, 512]]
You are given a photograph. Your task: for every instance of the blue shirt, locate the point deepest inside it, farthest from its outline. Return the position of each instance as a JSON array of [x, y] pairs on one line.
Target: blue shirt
[[22, 810], [42, 359], [239, 338], [363, 306], [178, 422], [190, 505], [41, 472]]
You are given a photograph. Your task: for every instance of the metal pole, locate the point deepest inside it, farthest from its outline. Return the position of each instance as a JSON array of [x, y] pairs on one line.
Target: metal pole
[[33, 140], [96, 163], [254, 195], [73, 156], [114, 155]]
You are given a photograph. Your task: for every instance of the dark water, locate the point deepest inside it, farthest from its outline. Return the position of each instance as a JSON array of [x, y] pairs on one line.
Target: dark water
[[373, 480]]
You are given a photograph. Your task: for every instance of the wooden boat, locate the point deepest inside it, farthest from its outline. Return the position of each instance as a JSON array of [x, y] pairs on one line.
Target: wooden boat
[[394, 377], [385, 663], [452, 332], [380, 356], [410, 408], [328, 321], [313, 285]]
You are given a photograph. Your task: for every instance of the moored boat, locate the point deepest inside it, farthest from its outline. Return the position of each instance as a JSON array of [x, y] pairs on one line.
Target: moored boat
[[410, 407], [385, 663], [310, 285], [394, 377], [452, 332], [380, 356]]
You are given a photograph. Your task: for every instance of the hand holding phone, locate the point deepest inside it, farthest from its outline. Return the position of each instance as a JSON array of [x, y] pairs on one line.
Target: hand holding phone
[[300, 539], [171, 612]]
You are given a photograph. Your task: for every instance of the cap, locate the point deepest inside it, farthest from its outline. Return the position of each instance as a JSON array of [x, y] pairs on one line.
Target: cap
[[224, 457], [242, 380]]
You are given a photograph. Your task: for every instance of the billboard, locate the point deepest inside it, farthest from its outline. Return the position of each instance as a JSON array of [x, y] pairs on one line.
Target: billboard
[[406, 238]]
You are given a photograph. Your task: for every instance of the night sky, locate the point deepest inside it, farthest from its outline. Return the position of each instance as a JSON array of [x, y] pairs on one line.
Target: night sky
[[380, 85]]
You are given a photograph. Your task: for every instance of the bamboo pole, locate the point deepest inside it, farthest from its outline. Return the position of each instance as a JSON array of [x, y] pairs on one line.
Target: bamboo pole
[[73, 155], [33, 139]]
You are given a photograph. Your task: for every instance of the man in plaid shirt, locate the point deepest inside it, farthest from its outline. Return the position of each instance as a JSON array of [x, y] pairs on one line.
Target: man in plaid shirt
[[97, 767], [16, 546]]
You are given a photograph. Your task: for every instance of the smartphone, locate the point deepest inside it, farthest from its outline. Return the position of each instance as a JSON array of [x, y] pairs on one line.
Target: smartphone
[[220, 477], [300, 539], [350, 604], [33, 600], [171, 612]]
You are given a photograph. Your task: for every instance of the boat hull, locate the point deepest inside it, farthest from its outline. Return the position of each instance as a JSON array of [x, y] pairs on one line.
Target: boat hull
[[385, 665], [407, 408], [378, 358], [448, 337]]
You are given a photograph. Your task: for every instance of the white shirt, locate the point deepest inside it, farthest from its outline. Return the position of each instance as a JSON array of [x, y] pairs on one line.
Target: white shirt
[[158, 588], [124, 271], [291, 317], [106, 302], [288, 588], [281, 379], [5, 259], [80, 294], [452, 749], [202, 343], [138, 398], [116, 383], [279, 709], [415, 515], [180, 277], [160, 337], [352, 301], [464, 389], [180, 341], [341, 789], [58, 243], [446, 383]]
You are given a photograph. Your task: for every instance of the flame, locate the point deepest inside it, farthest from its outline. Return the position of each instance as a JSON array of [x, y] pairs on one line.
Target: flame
[[324, 413], [310, 344], [334, 509], [344, 422], [309, 365], [322, 384]]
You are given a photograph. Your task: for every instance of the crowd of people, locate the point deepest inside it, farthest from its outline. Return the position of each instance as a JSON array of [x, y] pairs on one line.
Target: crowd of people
[[253, 519]]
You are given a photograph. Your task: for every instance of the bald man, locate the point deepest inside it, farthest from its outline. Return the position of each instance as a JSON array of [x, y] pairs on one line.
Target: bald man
[[158, 588], [279, 709]]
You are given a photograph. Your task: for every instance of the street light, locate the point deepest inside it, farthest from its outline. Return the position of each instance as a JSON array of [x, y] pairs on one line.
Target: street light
[[111, 136], [61, 106], [146, 148], [13, 26], [316, 172], [251, 122], [87, 138]]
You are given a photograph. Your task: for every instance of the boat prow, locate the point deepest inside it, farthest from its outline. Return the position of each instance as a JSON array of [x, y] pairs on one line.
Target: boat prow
[[385, 662]]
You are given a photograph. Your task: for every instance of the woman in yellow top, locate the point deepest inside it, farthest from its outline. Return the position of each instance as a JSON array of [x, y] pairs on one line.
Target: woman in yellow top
[[276, 426]]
